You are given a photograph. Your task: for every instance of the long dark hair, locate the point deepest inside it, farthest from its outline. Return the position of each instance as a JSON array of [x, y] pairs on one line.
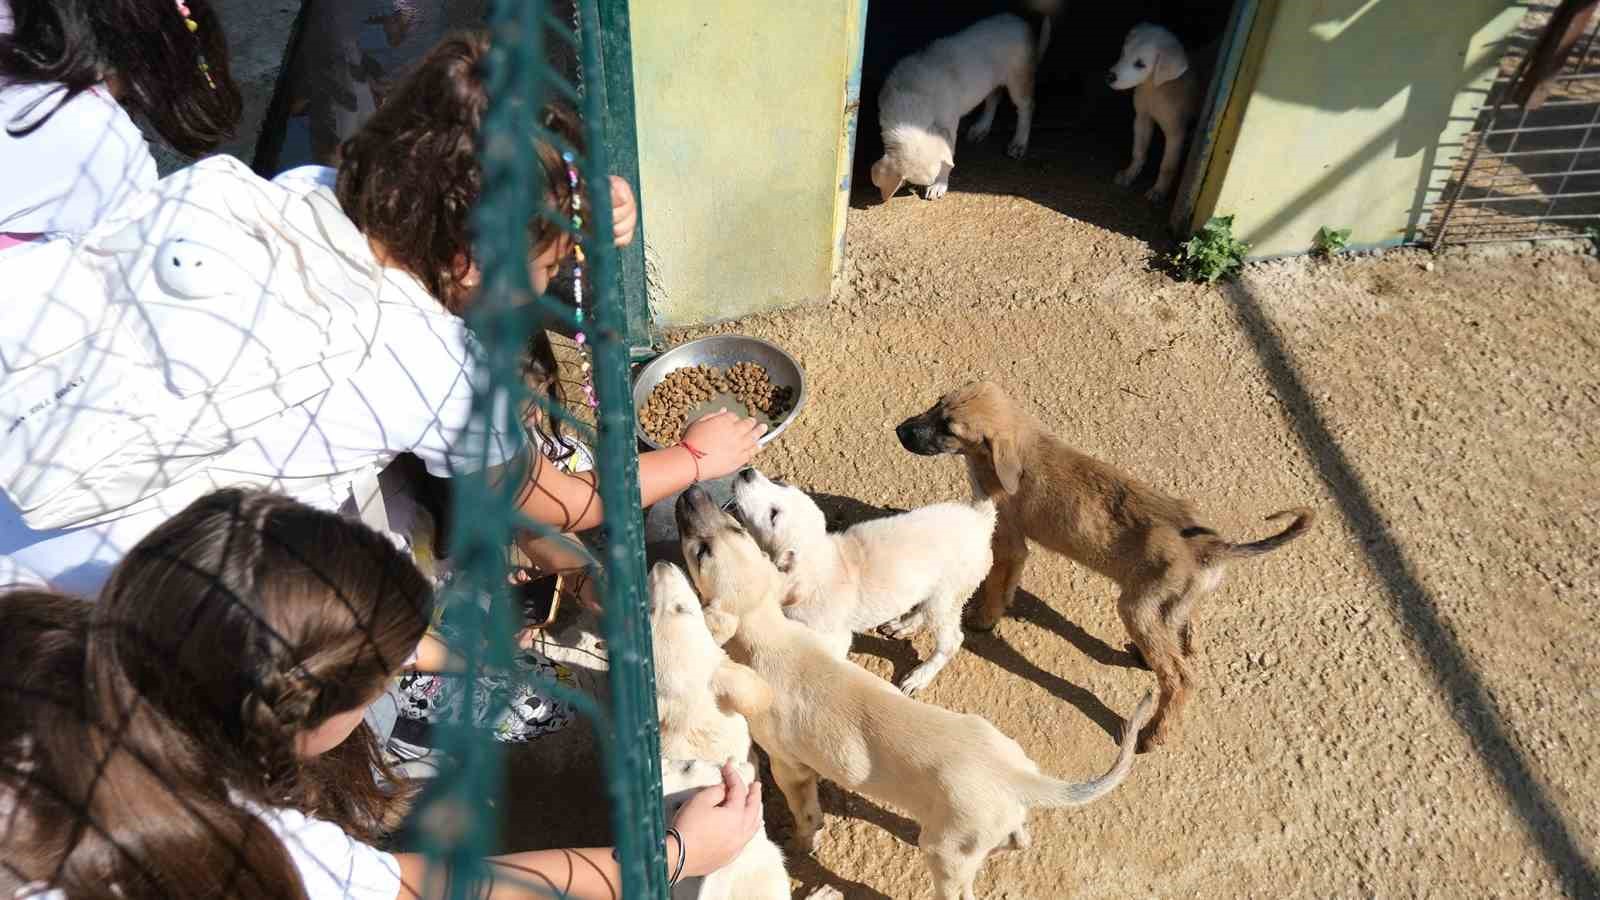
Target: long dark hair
[[410, 178], [150, 717], [145, 45]]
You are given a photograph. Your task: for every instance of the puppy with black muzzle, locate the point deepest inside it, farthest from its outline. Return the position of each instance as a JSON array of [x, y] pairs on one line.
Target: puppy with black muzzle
[[1166, 92], [967, 785], [902, 571], [1151, 544]]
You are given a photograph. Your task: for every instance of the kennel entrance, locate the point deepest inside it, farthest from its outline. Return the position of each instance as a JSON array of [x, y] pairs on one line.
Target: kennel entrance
[[1082, 130], [1530, 170]]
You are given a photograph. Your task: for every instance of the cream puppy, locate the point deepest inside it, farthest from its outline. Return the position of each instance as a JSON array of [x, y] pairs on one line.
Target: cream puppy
[[926, 94], [757, 873], [905, 571], [1166, 92], [702, 697], [967, 785]]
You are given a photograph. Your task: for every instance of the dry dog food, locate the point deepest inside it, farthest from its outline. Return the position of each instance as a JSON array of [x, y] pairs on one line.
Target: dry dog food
[[666, 411]]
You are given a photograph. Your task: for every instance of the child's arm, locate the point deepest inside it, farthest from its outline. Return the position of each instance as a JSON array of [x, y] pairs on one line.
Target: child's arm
[[716, 824], [723, 443]]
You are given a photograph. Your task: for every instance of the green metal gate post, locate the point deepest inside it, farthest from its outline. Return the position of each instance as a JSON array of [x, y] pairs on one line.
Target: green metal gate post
[[622, 149], [633, 763], [519, 81]]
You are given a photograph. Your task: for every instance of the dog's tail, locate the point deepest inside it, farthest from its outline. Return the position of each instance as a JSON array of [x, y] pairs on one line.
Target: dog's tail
[[1303, 517], [1042, 790], [1040, 14]]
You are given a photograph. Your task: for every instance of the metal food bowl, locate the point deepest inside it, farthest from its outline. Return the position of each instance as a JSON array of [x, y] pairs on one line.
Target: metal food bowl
[[720, 352]]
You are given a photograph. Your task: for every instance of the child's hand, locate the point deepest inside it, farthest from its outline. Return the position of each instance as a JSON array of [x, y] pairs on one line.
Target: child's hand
[[717, 822], [725, 443], [624, 212]]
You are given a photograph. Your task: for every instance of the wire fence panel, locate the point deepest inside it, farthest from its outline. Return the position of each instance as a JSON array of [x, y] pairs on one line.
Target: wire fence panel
[[504, 318], [1530, 170], [137, 384]]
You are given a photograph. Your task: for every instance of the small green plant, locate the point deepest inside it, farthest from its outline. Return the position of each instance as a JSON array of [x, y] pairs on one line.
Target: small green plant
[[1593, 231], [1330, 242], [1212, 253]]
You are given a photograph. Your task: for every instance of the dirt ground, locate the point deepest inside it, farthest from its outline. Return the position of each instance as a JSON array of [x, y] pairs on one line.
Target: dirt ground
[[1399, 704]]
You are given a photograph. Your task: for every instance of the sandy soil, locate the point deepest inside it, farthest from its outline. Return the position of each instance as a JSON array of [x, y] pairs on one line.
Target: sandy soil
[[1399, 704]]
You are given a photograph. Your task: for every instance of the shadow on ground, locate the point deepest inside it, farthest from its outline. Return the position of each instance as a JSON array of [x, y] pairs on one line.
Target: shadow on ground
[[1432, 639]]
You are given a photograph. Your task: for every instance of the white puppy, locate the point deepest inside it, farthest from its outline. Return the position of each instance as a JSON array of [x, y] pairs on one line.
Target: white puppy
[[967, 785], [926, 94], [1166, 92], [757, 873], [702, 696], [908, 570]]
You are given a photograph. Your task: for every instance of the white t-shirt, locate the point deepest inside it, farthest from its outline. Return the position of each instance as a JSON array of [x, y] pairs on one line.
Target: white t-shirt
[[332, 865], [414, 394], [62, 178]]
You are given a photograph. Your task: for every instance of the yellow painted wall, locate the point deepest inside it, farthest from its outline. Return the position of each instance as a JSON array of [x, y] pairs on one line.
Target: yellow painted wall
[[1348, 113], [740, 107]]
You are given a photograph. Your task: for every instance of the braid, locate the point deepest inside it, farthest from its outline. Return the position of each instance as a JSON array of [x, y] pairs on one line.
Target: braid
[[274, 713]]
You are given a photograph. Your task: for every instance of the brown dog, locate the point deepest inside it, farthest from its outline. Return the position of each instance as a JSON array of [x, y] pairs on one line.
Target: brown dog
[[1150, 544]]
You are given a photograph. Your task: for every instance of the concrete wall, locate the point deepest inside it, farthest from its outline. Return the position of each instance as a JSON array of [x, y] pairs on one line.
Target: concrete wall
[[744, 117], [1347, 113]]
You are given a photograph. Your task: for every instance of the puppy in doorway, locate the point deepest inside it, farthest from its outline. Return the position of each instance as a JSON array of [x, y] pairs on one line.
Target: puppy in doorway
[[1151, 544], [903, 571], [1166, 92], [926, 94]]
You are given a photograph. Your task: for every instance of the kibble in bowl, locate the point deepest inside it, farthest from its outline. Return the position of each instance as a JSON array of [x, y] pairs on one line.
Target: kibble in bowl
[[745, 375]]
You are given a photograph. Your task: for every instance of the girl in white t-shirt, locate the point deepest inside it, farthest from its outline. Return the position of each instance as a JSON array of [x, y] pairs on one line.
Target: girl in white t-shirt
[[410, 178], [71, 72], [198, 732]]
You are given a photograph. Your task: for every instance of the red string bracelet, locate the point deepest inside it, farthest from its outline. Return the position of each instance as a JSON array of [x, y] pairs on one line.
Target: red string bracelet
[[695, 455]]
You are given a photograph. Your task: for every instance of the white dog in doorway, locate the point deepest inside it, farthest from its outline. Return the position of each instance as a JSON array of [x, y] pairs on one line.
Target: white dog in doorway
[[927, 93], [1166, 92]]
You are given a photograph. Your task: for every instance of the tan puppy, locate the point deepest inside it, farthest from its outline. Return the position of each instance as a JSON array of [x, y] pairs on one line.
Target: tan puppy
[[1152, 545], [902, 571], [969, 786], [702, 696], [1166, 92]]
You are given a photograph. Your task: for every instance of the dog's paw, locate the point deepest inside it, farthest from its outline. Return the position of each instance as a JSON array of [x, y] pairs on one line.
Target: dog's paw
[[982, 621], [903, 628], [826, 892], [977, 134], [935, 191], [916, 680], [1125, 178], [1153, 736], [1156, 194], [1138, 656], [804, 844], [1017, 150]]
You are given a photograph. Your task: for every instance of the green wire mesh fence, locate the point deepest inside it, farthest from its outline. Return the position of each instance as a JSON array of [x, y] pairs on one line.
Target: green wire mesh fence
[[506, 315]]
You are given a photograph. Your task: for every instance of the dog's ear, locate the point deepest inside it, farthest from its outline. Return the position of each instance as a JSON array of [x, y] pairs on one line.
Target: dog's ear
[[739, 689], [887, 178], [1007, 464], [785, 561], [1170, 63], [722, 625]]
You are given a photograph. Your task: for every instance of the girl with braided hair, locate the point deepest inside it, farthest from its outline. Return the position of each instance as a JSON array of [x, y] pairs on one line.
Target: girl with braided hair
[[198, 732]]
